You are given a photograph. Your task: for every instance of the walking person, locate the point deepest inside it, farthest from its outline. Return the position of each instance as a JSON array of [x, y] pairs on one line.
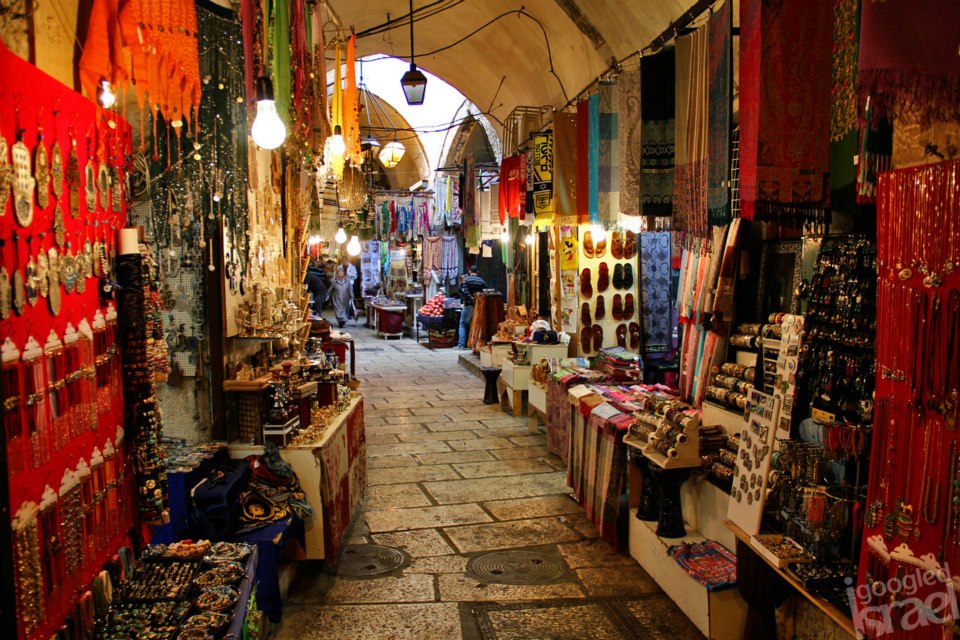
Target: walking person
[[341, 292], [470, 286], [316, 281]]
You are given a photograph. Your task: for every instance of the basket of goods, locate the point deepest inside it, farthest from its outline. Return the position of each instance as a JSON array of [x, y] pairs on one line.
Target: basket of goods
[[432, 311]]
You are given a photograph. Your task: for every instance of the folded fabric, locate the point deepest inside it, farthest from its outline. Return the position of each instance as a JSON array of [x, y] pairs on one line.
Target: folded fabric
[[708, 562]]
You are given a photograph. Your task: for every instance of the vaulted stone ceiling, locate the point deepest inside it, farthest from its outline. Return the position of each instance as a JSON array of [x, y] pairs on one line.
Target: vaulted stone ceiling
[[584, 37]]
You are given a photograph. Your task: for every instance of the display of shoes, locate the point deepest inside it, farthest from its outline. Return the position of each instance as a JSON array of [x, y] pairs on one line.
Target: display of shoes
[[630, 246], [586, 339], [601, 248], [587, 243], [586, 288], [585, 318], [634, 336], [618, 276], [616, 245], [600, 309], [603, 277], [622, 336], [597, 337], [628, 276], [617, 310], [628, 307]]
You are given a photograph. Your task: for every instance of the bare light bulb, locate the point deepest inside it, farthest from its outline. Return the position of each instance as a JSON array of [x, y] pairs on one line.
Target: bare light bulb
[[505, 236], [268, 130], [353, 247], [337, 145], [340, 236], [105, 95], [530, 238], [599, 233]]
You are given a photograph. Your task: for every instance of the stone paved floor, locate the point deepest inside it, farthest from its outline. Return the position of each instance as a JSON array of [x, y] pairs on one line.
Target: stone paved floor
[[449, 478]]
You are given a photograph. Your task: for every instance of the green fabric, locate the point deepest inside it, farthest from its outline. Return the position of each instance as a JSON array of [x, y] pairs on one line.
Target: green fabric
[[281, 58]]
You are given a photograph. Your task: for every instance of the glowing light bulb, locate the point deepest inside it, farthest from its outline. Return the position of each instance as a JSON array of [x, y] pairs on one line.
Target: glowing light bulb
[[599, 233], [268, 130], [340, 236], [505, 236], [314, 239], [530, 238], [105, 95], [353, 247], [337, 145]]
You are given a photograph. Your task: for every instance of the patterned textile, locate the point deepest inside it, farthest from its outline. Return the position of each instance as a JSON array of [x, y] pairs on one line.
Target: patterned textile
[[628, 139], [593, 159], [513, 187], [843, 107], [657, 139], [690, 171], [559, 415], [343, 459], [785, 67], [718, 119], [726, 278], [468, 179], [655, 305], [608, 174], [707, 562], [583, 170], [909, 67], [565, 164], [432, 256], [450, 260], [543, 177]]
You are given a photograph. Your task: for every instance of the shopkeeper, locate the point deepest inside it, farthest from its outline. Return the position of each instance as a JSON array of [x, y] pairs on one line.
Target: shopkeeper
[[471, 285]]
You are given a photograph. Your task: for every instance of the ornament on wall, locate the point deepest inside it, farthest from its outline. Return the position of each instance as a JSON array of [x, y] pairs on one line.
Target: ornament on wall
[[43, 268], [53, 275], [6, 175], [41, 164], [23, 182], [72, 176]]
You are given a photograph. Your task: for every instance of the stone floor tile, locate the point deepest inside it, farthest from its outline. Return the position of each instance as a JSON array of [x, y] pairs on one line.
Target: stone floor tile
[[397, 622], [425, 517], [503, 421], [623, 581], [403, 427], [406, 588], [418, 544], [532, 507], [581, 523], [480, 443], [466, 416], [389, 462], [528, 486], [442, 425], [398, 475], [454, 456], [522, 452], [405, 403], [375, 450], [593, 553], [454, 588], [529, 441], [436, 435], [509, 535], [439, 564], [501, 468], [502, 432], [395, 496], [381, 438], [423, 410]]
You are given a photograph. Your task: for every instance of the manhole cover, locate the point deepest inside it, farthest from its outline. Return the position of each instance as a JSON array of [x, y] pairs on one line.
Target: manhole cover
[[517, 567], [361, 560]]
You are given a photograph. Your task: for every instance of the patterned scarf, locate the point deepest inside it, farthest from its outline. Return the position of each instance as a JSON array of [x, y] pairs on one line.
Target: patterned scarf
[[608, 174], [593, 159], [690, 182], [628, 139], [718, 125], [583, 171], [565, 164], [658, 115]]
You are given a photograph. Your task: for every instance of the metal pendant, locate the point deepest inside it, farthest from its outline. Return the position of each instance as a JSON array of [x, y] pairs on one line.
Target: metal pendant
[[54, 299], [81, 269], [6, 176], [32, 283], [5, 291], [23, 184], [90, 187], [72, 176], [19, 296], [43, 268], [117, 199], [68, 272], [103, 185], [98, 259], [59, 229], [88, 254], [41, 168], [56, 170]]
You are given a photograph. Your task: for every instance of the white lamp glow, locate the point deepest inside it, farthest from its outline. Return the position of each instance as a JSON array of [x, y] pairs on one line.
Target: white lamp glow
[[268, 130], [505, 236], [105, 95], [338, 147], [633, 224], [353, 247], [340, 236], [530, 238], [391, 154], [314, 239], [599, 233]]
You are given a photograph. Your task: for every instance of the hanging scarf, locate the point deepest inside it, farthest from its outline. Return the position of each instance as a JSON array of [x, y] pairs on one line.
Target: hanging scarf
[[469, 193], [909, 65], [565, 164], [300, 51], [784, 110], [593, 159], [281, 57], [657, 312], [690, 181], [583, 169], [718, 125], [608, 173], [543, 177], [628, 140], [513, 186], [351, 114], [843, 107], [657, 106]]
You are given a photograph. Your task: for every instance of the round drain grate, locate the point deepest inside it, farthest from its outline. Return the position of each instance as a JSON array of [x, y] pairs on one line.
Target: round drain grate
[[517, 567], [362, 560]]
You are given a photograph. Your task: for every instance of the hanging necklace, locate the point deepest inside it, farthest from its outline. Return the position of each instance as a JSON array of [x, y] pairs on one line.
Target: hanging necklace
[[41, 167], [32, 282], [56, 178], [23, 183], [19, 296], [5, 291], [90, 180], [43, 267], [6, 175], [53, 300], [72, 176], [80, 267]]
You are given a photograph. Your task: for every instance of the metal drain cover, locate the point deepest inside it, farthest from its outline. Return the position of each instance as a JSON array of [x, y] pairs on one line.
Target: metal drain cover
[[517, 567], [362, 560]]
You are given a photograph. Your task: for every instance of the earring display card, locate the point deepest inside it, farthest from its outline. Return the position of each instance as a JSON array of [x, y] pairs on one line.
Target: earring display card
[[748, 493], [785, 380]]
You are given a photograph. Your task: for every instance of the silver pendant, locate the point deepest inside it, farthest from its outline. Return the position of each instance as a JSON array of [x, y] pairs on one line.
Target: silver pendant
[[103, 186], [68, 272], [56, 170], [23, 184], [5, 291], [32, 283], [6, 176], [43, 267], [90, 187], [54, 299], [19, 296]]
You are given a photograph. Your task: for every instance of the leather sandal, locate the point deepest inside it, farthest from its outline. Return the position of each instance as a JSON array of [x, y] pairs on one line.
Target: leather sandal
[[601, 248], [588, 249], [599, 310], [634, 336], [603, 277], [585, 319], [616, 245], [630, 246], [617, 310], [622, 336], [597, 337], [628, 307], [618, 276], [628, 276], [586, 289], [586, 339]]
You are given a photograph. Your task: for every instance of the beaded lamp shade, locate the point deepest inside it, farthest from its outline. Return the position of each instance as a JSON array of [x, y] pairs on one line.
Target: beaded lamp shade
[[353, 189]]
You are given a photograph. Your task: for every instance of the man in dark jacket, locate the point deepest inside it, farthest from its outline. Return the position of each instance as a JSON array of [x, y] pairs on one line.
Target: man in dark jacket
[[470, 286], [316, 281]]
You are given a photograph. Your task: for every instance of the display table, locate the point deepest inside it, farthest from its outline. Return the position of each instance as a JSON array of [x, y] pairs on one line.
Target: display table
[[388, 319], [536, 406], [414, 302], [333, 474]]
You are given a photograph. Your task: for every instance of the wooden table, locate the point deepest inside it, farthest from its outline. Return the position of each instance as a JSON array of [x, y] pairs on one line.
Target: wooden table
[[832, 612], [333, 474]]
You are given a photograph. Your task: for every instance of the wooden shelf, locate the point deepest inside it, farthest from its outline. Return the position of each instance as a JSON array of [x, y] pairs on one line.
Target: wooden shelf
[[247, 385], [838, 616]]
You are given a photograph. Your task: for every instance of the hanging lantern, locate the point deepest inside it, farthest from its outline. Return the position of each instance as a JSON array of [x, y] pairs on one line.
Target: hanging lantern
[[391, 154]]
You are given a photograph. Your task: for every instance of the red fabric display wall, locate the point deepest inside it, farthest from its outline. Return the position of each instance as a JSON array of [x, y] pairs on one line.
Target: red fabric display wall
[[67, 404]]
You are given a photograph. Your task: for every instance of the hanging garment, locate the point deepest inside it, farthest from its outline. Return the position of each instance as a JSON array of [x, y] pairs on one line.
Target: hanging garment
[[543, 177], [432, 255], [785, 133], [628, 139], [657, 314], [565, 164], [657, 106], [593, 159], [450, 261], [583, 162], [690, 176], [608, 173], [718, 118], [513, 185]]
